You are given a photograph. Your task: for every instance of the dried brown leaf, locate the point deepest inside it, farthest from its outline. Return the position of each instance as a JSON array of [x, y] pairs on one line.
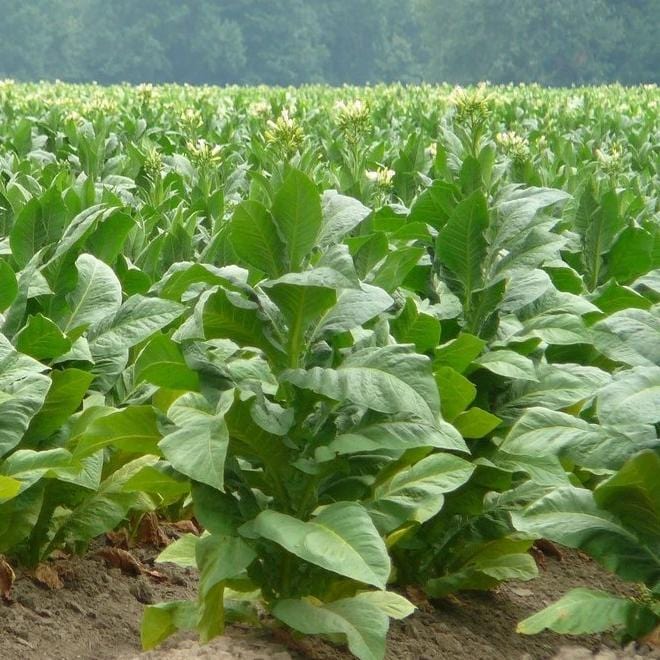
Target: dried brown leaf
[[653, 638], [156, 575], [549, 549], [118, 539], [47, 575], [122, 559], [150, 531], [417, 597], [7, 577], [184, 527]]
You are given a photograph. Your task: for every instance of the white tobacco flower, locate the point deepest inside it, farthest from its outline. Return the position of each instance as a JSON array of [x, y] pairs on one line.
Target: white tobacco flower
[[382, 177]]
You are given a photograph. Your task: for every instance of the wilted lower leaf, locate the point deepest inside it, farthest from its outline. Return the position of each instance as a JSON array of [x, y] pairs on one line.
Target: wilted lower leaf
[[7, 577], [122, 559], [47, 575]]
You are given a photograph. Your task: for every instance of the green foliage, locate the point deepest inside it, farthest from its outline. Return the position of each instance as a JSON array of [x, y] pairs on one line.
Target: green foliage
[[368, 338]]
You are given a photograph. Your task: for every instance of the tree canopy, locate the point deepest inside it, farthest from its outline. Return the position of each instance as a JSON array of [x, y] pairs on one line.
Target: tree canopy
[[557, 42]]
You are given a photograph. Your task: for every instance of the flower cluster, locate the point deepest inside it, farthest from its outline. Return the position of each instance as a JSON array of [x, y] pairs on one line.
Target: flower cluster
[[611, 160], [153, 163], [353, 118], [471, 107], [204, 154], [191, 118], [382, 177], [284, 133], [515, 146]]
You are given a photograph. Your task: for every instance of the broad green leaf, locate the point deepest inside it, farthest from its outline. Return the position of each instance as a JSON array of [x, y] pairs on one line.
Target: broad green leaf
[[198, 448], [106, 508], [133, 429], [64, 398], [228, 315], [631, 336], [544, 470], [388, 380], [97, 293], [329, 274], [341, 214], [524, 288], [397, 435], [394, 605], [535, 248], [181, 552], [633, 397], [161, 363], [361, 623], [160, 479], [396, 266], [571, 517], [413, 326], [8, 285], [353, 309], [476, 423], [368, 251], [29, 466], [508, 364], [35, 227], [461, 246], [417, 493], [494, 562], [518, 207], [613, 298], [9, 488], [107, 241], [460, 352], [18, 517], [341, 539], [298, 216], [182, 276], [558, 387], [41, 339], [599, 234], [435, 205], [162, 620], [136, 320], [585, 612], [633, 494], [220, 558], [301, 307], [22, 393], [253, 235], [631, 255], [557, 329], [456, 392], [81, 227], [543, 432]]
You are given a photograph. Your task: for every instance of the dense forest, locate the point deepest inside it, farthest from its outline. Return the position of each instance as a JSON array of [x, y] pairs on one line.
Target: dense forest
[[556, 42]]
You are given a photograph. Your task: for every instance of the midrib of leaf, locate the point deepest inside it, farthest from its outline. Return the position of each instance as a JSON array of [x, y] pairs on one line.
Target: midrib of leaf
[[218, 476], [602, 522], [595, 266], [346, 544], [271, 256], [118, 438], [294, 333], [295, 230], [82, 299]]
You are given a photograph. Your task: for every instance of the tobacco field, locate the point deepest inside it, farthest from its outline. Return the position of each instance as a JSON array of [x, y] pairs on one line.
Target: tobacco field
[[369, 341]]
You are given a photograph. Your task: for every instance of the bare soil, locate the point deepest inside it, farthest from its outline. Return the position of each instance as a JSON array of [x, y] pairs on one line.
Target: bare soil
[[96, 616]]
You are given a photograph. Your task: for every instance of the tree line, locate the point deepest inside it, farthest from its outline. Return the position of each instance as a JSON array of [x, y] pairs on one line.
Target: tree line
[[556, 42]]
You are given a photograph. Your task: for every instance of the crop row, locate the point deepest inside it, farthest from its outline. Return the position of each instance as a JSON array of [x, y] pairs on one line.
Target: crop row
[[368, 338]]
